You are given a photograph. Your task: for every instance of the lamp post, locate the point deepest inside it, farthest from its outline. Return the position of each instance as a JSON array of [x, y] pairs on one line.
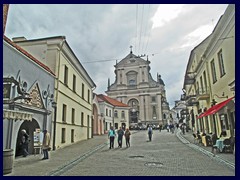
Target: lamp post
[[54, 105], [214, 120]]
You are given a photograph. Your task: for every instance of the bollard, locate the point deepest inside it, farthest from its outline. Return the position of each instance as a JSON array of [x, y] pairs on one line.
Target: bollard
[[7, 161]]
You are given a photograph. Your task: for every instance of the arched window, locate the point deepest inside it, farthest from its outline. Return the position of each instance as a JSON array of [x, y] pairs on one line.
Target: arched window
[[123, 115], [116, 113], [164, 116]]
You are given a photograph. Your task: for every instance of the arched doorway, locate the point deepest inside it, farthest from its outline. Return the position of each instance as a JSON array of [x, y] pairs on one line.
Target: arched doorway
[[133, 111], [30, 127]]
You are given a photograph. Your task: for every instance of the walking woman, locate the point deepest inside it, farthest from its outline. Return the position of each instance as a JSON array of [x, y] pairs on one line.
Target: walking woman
[[127, 137], [111, 136]]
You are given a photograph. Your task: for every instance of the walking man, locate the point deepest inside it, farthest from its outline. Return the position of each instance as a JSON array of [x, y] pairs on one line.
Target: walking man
[[111, 136], [120, 133], [150, 132]]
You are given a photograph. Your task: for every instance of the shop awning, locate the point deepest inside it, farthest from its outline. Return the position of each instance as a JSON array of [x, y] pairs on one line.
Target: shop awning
[[215, 108]]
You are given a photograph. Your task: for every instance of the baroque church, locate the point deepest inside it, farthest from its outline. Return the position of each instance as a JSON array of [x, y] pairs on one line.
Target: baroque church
[[135, 87]]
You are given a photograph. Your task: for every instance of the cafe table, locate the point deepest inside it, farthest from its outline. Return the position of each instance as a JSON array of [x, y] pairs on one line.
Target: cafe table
[[219, 143]]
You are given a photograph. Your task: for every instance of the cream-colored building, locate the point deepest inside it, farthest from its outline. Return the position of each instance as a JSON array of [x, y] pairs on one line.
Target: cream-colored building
[[210, 79], [73, 88], [135, 87], [113, 112]]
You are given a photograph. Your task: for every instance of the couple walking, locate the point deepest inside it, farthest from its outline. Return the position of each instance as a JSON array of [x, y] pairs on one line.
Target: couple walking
[[120, 132]]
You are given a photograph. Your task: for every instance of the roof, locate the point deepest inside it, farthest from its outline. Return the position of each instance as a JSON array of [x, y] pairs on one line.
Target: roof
[[28, 55], [111, 101]]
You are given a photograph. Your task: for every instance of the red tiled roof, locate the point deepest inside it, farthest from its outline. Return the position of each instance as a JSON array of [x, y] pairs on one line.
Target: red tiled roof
[[28, 55], [111, 101]]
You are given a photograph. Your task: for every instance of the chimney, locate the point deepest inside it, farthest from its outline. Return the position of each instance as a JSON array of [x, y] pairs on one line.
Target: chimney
[[18, 39]]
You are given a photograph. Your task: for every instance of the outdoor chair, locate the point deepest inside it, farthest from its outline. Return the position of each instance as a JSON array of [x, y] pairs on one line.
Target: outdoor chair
[[199, 139], [227, 145], [194, 138]]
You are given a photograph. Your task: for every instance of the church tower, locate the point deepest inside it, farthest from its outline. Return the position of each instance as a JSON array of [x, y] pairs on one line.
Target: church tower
[[135, 86]]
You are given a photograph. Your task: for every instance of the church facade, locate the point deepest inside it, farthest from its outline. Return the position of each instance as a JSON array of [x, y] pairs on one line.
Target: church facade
[[135, 87]]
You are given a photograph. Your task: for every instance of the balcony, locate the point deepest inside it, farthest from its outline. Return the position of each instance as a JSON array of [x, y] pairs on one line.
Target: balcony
[[192, 101], [189, 78], [203, 93]]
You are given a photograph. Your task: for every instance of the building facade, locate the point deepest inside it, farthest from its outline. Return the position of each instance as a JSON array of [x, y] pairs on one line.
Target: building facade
[[28, 93], [135, 87], [113, 112], [210, 79], [73, 88]]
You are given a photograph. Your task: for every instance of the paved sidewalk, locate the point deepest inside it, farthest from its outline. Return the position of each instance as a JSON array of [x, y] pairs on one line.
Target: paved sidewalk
[[35, 166], [229, 157]]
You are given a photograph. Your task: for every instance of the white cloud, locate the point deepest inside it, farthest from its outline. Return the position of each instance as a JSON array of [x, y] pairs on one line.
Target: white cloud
[[166, 13]]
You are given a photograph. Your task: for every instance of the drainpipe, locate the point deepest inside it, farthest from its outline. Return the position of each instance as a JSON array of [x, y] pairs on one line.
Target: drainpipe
[[56, 100]]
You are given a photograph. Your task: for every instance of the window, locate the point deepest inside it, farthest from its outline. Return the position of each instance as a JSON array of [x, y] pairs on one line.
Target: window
[[82, 119], [74, 83], [214, 76], [221, 64], [153, 99], [65, 75], [123, 115], [64, 113], [106, 112], [154, 115], [73, 116], [106, 128], [116, 113], [110, 113], [132, 82], [82, 90], [88, 96], [63, 135], [72, 135]]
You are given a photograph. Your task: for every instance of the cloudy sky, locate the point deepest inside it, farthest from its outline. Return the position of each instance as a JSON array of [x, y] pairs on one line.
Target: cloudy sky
[[101, 34]]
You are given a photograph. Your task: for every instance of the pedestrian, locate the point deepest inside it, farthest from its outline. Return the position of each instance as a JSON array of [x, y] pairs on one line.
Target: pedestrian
[[183, 128], [46, 144], [111, 136], [177, 125], [150, 132], [24, 142], [120, 133], [160, 127], [127, 137]]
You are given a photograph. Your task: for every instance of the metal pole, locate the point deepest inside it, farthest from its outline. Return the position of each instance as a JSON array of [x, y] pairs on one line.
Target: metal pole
[[54, 126]]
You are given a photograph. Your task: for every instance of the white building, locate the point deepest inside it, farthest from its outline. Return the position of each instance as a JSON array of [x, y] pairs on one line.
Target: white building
[[135, 86]]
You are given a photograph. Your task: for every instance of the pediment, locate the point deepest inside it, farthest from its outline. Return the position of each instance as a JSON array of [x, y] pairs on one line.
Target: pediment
[[36, 97]]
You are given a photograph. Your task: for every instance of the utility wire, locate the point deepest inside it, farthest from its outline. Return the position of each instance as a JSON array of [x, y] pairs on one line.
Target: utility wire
[[141, 28], [136, 26]]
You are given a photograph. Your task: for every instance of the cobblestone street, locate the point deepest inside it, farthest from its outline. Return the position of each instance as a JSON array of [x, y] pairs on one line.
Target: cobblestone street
[[165, 155]]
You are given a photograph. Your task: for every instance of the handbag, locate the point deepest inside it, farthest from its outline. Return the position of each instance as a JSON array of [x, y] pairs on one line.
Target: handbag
[[49, 149]]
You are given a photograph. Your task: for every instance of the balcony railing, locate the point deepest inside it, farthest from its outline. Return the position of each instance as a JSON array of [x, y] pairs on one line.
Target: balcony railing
[[203, 93]]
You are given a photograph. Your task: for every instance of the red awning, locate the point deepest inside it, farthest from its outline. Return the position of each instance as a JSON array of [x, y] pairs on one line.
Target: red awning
[[215, 108]]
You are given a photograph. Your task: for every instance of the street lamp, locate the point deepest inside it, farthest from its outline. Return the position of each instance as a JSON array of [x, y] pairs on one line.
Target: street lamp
[[54, 105]]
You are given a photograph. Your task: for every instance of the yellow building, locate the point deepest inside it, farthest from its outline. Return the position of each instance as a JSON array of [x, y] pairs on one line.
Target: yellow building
[[73, 88], [210, 79]]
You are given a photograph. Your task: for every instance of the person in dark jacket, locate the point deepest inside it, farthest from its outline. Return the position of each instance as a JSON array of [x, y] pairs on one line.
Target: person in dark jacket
[[24, 143], [120, 133]]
